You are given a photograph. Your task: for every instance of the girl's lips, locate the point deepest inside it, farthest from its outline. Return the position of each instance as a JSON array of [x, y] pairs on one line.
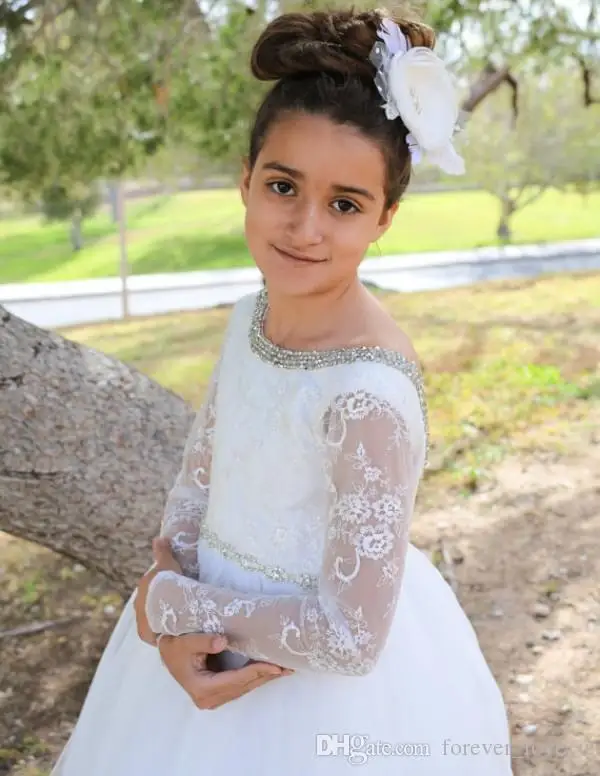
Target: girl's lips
[[297, 256]]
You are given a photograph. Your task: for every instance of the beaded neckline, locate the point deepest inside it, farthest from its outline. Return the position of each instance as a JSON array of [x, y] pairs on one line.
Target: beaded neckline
[[276, 355]]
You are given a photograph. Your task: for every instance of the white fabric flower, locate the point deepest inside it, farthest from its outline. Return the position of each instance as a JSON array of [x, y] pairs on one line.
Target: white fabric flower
[[418, 89], [422, 92]]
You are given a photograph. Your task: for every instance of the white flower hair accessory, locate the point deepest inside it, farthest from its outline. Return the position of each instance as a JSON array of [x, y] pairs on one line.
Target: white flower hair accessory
[[418, 89]]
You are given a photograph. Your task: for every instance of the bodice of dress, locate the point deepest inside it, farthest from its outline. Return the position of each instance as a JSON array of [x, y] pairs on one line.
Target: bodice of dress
[[302, 466], [270, 484]]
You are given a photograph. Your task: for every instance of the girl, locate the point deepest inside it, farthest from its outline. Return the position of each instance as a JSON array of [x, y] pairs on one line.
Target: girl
[[290, 519]]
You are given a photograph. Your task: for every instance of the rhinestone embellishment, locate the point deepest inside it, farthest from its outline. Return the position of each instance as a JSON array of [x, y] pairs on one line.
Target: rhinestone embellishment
[[267, 351], [250, 563]]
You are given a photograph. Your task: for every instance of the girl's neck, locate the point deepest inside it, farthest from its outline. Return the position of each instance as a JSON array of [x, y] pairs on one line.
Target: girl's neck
[[317, 321]]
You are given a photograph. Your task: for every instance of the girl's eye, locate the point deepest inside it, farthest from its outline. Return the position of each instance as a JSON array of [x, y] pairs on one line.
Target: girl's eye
[[345, 206], [283, 188]]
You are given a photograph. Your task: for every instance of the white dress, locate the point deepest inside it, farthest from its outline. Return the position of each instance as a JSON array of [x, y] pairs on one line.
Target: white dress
[[290, 518]]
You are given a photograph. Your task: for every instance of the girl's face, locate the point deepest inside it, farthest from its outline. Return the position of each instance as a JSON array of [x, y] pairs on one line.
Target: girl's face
[[314, 201]]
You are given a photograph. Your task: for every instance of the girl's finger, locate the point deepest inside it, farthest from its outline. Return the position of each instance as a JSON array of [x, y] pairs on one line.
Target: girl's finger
[[161, 549], [233, 693]]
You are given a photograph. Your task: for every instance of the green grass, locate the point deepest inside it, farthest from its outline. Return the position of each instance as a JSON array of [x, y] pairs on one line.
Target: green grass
[[204, 230], [500, 360]]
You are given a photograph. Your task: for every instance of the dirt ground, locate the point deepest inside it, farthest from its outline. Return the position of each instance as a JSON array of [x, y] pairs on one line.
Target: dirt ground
[[522, 551]]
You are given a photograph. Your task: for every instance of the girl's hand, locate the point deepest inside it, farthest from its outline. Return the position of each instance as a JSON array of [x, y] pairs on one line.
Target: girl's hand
[[163, 561], [185, 657]]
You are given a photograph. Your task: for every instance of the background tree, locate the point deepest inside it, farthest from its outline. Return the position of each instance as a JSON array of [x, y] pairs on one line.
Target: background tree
[[504, 37], [83, 94], [552, 143], [145, 68], [60, 204]]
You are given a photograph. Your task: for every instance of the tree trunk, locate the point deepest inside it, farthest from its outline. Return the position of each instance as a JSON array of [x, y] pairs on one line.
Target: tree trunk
[[76, 235], [123, 260], [89, 448], [504, 231], [113, 199]]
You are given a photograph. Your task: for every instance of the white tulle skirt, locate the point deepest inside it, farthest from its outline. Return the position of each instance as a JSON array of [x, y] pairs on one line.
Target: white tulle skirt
[[430, 708]]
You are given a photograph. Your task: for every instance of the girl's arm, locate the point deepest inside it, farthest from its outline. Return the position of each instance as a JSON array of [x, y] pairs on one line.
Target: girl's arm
[[187, 502], [375, 461]]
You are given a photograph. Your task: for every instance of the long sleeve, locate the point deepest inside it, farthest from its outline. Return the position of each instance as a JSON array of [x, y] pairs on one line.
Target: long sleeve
[[374, 463], [187, 501]]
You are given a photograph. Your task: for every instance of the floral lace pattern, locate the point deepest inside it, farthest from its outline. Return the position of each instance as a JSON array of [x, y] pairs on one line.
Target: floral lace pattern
[[374, 460], [187, 502]]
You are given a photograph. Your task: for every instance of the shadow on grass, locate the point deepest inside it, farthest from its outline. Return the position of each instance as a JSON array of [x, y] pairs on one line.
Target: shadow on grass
[[152, 345], [142, 208], [30, 252], [194, 252], [27, 254]]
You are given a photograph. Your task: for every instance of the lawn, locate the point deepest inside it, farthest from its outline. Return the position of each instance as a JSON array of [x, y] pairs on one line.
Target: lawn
[[204, 230], [500, 360]]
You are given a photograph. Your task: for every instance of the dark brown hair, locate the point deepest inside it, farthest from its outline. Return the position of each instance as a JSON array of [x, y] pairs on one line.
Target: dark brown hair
[[320, 61]]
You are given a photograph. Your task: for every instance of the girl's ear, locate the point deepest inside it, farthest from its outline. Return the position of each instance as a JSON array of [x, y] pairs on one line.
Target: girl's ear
[[245, 182], [387, 216]]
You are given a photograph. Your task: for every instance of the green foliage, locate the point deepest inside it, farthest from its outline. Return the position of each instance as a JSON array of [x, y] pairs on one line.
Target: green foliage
[[214, 100], [82, 104], [61, 204], [96, 88]]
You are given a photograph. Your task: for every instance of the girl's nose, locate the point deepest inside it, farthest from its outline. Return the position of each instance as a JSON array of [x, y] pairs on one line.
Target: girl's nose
[[306, 224]]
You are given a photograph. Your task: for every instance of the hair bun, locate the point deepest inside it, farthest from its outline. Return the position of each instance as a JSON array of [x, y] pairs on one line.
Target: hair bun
[[336, 42]]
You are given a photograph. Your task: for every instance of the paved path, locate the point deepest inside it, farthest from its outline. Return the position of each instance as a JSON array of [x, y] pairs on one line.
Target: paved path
[[52, 305]]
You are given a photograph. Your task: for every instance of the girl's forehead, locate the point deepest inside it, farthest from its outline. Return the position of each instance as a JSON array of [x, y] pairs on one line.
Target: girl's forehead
[[317, 146]]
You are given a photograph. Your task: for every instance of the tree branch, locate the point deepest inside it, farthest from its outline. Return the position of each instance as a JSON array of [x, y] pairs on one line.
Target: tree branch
[[520, 203], [586, 75], [491, 79], [39, 627], [23, 49], [96, 496]]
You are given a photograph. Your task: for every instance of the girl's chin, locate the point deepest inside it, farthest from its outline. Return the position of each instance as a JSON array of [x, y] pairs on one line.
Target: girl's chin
[[292, 278], [290, 285]]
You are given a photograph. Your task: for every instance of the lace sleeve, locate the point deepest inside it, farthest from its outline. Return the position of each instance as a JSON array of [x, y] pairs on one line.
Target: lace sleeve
[[188, 499], [375, 461]]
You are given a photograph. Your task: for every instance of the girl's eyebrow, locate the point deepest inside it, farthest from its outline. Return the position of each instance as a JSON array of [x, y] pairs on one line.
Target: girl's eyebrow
[[343, 189], [284, 169], [297, 175]]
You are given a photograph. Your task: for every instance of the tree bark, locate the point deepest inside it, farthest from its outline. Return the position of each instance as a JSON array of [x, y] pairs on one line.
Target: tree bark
[[89, 448], [504, 232]]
